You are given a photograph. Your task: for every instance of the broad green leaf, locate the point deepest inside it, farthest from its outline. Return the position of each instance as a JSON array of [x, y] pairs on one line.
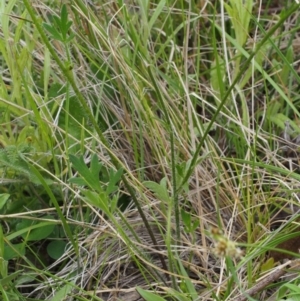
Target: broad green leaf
[[56, 248], [34, 231], [268, 265], [41, 232]]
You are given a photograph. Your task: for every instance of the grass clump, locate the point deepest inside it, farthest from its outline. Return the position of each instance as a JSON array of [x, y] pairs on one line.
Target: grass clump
[[148, 150]]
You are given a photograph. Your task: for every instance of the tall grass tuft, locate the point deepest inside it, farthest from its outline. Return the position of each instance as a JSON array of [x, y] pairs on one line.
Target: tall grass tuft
[[149, 150]]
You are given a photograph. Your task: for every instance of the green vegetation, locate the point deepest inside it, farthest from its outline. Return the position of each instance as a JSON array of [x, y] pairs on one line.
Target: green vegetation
[[147, 148]]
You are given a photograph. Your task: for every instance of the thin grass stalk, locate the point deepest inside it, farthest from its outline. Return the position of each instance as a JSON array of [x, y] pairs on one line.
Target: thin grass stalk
[[173, 161], [235, 81], [69, 76]]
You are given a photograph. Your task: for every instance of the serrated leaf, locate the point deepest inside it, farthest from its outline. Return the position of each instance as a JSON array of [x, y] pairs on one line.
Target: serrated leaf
[[96, 166], [78, 181], [70, 38], [56, 21], [97, 200], [55, 34], [113, 203], [159, 190], [64, 15], [90, 179], [68, 26], [114, 178]]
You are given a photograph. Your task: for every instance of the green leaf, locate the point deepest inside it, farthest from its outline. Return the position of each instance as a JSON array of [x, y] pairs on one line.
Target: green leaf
[[268, 265], [70, 38], [188, 283], [1, 246], [282, 292], [90, 178], [56, 21], [160, 190], [96, 166], [56, 248], [98, 200], [77, 181], [9, 278], [68, 26], [194, 225], [114, 178], [41, 232], [293, 288], [26, 278], [14, 251], [63, 18], [4, 197], [186, 218], [157, 12], [113, 203], [178, 295], [148, 296], [63, 293], [35, 231], [189, 225], [54, 33]]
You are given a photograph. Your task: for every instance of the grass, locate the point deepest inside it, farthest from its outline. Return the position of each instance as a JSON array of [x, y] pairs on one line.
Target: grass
[[149, 150]]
